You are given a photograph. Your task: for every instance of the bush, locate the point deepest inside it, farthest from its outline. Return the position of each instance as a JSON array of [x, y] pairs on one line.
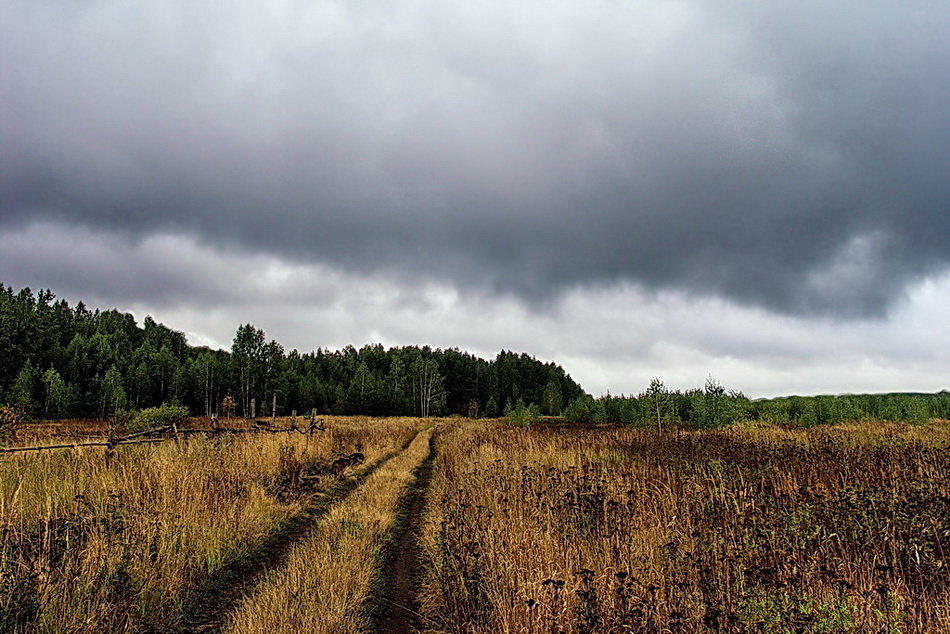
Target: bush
[[581, 410], [125, 418], [160, 416], [521, 415]]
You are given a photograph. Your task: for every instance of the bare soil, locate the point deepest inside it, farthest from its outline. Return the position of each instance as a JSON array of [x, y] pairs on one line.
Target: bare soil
[[396, 609]]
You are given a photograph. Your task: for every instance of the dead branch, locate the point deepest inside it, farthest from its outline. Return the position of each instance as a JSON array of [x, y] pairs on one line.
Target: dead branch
[[82, 444]]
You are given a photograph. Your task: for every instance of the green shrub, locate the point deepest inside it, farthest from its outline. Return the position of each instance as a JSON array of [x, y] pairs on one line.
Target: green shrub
[[125, 418], [779, 612], [160, 416], [521, 415]]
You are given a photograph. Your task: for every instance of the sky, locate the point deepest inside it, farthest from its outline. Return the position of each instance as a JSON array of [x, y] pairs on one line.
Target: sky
[[675, 188]]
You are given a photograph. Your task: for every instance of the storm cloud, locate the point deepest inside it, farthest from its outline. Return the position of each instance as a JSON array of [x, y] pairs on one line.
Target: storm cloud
[[789, 155], [612, 339], [667, 187]]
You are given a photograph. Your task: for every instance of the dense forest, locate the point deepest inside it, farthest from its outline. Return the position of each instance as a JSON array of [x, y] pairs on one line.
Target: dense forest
[[58, 360], [712, 406]]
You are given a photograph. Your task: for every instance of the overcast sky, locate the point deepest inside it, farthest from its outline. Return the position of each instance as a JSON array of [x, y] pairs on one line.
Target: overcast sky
[[757, 191]]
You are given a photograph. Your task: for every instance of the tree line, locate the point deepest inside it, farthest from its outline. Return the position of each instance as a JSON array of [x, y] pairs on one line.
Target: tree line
[[58, 360], [712, 406]]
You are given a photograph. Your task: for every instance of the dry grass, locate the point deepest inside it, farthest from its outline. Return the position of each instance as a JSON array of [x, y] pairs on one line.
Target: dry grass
[[71, 429], [59, 430], [755, 528], [325, 583], [88, 546]]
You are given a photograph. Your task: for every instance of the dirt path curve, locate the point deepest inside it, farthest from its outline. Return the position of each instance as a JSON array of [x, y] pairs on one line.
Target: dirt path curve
[[396, 609], [207, 612]]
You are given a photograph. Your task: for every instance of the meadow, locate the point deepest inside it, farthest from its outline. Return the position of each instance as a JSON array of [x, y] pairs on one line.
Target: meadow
[[752, 528], [548, 527], [124, 545]]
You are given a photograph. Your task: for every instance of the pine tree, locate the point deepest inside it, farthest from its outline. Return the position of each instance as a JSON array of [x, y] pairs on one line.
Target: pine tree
[[659, 400]]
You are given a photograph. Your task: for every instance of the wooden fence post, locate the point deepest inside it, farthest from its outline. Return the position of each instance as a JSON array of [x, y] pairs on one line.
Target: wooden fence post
[[110, 444]]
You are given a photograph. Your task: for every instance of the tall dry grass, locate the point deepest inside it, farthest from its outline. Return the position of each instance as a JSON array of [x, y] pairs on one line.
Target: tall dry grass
[[753, 528], [94, 547], [325, 584]]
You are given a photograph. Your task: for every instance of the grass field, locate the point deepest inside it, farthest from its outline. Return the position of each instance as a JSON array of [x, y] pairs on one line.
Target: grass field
[[754, 528], [91, 546], [547, 528]]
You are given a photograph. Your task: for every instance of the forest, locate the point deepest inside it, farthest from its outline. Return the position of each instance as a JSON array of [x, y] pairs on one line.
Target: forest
[[65, 361], [69, 361], [712, 407]]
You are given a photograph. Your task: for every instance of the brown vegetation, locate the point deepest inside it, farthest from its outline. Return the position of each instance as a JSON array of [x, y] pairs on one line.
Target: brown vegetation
[[326, 581], [91, 545], [540, 528], [754, 528]]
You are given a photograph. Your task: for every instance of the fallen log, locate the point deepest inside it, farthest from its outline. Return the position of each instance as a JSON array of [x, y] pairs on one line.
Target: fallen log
[[83, 444], [135, 438], [154, 430]]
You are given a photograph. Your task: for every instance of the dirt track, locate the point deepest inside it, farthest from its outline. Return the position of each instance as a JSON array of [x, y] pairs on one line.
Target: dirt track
[[223, 591], [397, 605]]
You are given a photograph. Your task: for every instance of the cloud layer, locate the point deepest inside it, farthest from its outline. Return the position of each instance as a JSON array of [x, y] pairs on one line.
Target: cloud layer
[[669, 187], [791, 156], [612, 339]]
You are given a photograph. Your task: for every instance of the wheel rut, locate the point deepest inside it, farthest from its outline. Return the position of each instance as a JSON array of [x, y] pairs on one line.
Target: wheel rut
[[222, 592], [395, 607]]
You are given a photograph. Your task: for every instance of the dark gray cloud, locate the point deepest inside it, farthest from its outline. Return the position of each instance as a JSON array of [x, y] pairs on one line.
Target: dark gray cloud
[[613, 338], [792, 155]]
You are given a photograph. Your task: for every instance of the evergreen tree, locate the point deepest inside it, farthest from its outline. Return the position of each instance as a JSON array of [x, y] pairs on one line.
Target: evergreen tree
[[247, 353], [491, 409], [660, 403], [715, 402]]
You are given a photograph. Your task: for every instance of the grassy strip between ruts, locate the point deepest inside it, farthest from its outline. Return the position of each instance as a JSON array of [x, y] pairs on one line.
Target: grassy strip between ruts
[[231, 583], [325, 582]]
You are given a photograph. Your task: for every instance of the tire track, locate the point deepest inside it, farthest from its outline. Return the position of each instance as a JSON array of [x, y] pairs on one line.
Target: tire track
[[208, 609], [395, 605]]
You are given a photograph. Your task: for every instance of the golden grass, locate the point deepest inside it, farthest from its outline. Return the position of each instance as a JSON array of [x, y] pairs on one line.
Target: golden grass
[[528, 529], [325, 583], [752, 528], [88, 546]]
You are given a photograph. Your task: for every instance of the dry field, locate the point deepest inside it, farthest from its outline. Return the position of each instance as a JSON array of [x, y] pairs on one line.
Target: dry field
[[480, 526], [91, 546], [749, 529]]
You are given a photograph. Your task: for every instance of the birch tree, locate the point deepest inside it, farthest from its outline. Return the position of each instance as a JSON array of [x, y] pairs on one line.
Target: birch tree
[[427, 386]]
